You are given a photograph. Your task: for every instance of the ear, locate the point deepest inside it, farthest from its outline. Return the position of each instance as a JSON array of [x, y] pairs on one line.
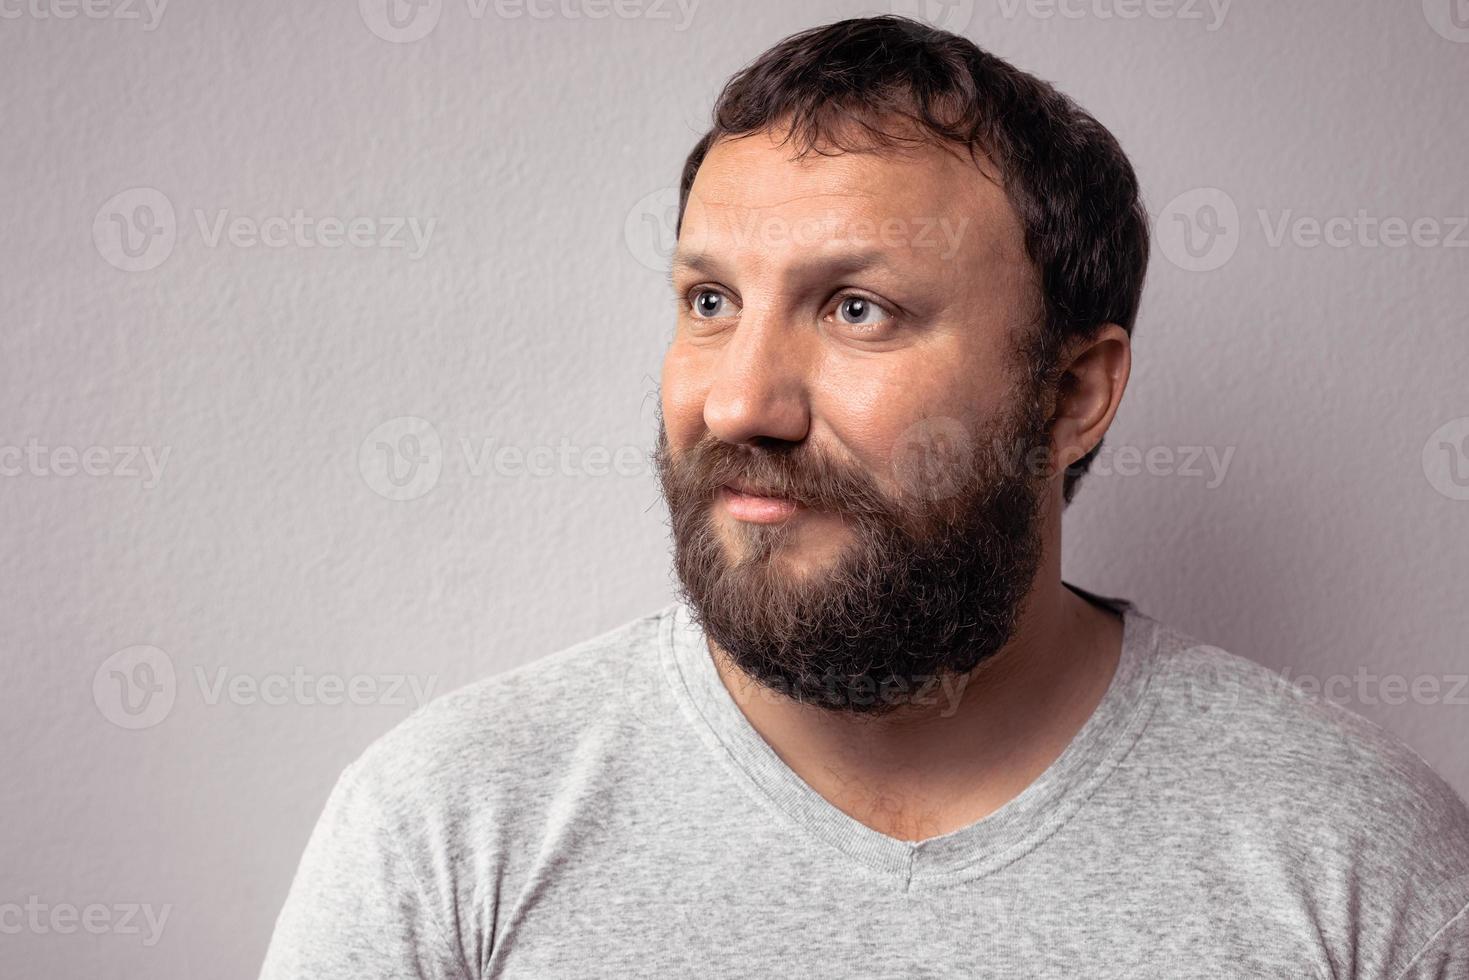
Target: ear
[[1093, 376]]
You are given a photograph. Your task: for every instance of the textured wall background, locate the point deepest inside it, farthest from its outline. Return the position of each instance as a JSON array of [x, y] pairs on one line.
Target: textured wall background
[[245, 242]]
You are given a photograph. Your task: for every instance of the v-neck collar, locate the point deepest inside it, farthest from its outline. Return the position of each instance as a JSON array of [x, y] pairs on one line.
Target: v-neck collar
[[980, 848]]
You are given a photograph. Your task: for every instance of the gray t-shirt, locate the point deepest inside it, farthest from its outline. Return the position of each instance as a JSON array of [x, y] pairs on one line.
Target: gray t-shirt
[[608, 811]]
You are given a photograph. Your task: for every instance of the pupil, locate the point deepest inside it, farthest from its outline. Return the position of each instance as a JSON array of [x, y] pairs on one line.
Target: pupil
[[855, 308], [708, 302]]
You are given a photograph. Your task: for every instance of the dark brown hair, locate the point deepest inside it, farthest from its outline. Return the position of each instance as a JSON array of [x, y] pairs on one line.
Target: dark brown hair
[[1075, 192]]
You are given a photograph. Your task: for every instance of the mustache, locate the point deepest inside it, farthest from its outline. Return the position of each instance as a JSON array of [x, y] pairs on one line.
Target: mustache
[[793, 471]]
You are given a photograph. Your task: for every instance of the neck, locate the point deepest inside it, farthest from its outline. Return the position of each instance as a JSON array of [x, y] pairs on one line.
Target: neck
[[976, 743]]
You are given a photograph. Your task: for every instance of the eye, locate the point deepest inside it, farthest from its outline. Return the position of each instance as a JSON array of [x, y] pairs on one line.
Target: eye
[[710, 304], [859, 311]]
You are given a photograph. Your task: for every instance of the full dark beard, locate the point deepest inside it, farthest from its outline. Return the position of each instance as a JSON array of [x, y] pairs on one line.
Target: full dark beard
[[926, 589]]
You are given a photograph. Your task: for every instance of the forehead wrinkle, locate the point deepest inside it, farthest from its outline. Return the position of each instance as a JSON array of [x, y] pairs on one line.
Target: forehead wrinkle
[[721, 202], [962, 203]]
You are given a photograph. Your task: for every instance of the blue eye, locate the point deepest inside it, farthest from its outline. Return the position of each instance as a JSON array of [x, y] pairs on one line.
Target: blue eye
[[709, 304], [859, 311]]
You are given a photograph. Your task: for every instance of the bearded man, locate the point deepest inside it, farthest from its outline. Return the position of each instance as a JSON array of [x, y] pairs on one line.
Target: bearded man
[[878, 735]]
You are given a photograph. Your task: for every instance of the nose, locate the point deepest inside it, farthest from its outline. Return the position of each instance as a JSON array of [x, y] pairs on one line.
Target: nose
[[759, 391]]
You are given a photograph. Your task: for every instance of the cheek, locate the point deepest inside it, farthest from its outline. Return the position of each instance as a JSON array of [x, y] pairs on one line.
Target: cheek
[[682, 391], [871, 406]]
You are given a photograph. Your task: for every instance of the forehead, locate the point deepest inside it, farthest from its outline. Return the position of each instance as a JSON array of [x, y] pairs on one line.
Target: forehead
[[754, 194]]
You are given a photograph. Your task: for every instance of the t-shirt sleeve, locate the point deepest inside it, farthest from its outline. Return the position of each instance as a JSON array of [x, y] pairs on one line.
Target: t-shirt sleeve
[[356, 908], [1446, 957]]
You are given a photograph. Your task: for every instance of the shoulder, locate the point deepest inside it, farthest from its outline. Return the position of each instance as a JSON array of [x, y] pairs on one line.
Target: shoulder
[[513, 731], [1299, 774], [1294, 728], [406, 863]]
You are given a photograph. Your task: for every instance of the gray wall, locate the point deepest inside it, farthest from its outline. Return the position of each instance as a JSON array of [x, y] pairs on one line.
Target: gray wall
[[171, 641]]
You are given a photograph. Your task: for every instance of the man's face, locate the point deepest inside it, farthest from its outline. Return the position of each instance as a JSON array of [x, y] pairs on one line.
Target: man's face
[[848, 350]]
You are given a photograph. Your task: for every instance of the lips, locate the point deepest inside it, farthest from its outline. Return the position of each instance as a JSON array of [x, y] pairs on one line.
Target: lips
[[746, 502]]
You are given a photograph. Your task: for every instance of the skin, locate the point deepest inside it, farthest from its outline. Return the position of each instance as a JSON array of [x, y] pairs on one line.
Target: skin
[[785, 242]]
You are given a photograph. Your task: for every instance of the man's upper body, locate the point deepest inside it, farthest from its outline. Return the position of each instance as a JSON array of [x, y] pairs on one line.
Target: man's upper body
[[878, 736], [608, 811]]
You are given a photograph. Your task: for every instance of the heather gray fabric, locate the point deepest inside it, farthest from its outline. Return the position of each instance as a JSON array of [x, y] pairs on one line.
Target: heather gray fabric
[[608, 812]]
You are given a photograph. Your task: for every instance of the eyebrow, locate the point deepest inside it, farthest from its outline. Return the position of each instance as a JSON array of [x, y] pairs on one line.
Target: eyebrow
[[806, 268]]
